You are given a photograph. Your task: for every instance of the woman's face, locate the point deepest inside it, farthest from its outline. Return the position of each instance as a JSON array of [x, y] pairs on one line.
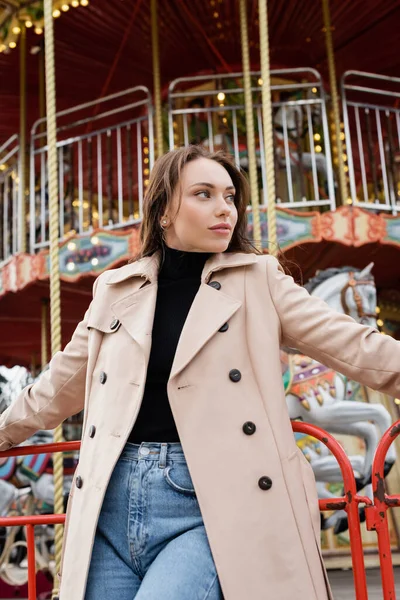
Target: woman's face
[[207, 200]]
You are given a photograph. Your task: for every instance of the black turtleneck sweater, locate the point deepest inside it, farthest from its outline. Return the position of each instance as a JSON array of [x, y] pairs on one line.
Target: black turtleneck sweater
[[178, 283]]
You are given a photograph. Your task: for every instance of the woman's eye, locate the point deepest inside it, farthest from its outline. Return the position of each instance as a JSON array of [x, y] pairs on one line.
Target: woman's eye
[[231, 197], [203, 194]]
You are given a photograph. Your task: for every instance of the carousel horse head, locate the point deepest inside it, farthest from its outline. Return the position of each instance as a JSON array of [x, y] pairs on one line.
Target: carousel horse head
[[348, 290]]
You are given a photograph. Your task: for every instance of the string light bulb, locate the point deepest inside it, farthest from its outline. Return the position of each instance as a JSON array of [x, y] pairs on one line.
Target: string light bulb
[[28, 24], [318, 148], [12, 45], [56, 13], [2, 47], [65, 7], [38, 30], [314, 90], [94, 239], [317, 137], [221, 96], [75, 3], [70, 266], [84, 2], [260, 81], [95, 261], [16, 30]]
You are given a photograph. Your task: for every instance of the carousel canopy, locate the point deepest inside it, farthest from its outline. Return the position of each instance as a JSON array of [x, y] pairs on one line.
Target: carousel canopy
[[102, 47]]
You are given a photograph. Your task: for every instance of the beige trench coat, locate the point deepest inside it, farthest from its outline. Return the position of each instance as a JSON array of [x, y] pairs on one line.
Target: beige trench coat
[[265, 543]]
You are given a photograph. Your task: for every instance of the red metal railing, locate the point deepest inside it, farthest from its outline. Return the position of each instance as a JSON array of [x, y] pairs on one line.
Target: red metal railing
[[376, 515], [31, 521], [376, 511]]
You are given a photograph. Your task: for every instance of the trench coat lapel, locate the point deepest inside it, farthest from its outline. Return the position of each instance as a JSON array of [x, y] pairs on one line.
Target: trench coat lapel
[[210, 309], [136, 313]]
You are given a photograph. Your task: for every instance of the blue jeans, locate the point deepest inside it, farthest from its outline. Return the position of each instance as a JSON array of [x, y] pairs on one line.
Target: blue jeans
[[150, 542]]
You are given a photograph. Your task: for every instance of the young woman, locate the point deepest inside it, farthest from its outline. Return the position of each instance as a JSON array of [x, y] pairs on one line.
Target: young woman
[[190, 485]]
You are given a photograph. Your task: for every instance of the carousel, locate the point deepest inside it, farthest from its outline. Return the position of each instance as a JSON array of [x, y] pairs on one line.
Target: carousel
[[92, 96]]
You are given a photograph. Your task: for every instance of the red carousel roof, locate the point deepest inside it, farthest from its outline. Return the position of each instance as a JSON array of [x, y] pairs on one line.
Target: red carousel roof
[[100, 49]]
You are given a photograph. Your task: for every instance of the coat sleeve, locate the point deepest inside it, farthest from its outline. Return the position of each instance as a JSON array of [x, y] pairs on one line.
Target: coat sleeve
[[336, 340], [58, 394]]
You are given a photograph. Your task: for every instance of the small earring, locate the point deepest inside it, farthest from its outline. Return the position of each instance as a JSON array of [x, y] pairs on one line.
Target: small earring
[[164, 221]]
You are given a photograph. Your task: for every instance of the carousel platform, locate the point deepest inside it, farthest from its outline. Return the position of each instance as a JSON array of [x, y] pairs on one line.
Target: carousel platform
[[342, 584]]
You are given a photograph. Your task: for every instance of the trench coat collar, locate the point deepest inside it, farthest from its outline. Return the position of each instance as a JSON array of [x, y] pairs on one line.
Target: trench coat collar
[[136, 310], [148, 266]]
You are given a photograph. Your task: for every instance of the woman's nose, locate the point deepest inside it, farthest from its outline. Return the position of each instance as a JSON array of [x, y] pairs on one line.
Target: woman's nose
[[224, 208]]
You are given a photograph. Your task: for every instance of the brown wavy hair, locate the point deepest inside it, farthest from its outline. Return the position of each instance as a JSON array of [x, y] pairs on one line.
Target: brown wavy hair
[[164, 178]]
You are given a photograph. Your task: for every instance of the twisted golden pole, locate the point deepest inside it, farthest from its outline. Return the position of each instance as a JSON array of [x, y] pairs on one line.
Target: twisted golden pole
[[251, 143], [156, 79], [55, 312], [335, 98], [267, 125]]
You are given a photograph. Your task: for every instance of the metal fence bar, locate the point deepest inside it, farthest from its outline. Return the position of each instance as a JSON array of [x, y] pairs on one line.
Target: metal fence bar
[[287, 156], [210, 132], [119, 177], [99, 180], [140, 168], [313, 161], [14, 214], [382, 155], [262, 156], [361, 155], [5, 219], [43, 183], [61, 188], [235, 138], [185, 130], [80, 187]]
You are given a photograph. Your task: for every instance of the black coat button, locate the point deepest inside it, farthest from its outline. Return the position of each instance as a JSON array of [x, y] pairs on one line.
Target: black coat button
[[103, 377], [79, 482], [249, 428], [235, 375], [215, 284], [265, 483], [114, 325], [92, 431], [224, 327]]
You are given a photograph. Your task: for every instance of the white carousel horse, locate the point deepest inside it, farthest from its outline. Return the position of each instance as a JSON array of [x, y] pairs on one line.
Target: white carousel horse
[[320, 396]]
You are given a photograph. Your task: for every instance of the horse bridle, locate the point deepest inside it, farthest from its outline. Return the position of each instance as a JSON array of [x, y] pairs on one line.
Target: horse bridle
[[353, 284]]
